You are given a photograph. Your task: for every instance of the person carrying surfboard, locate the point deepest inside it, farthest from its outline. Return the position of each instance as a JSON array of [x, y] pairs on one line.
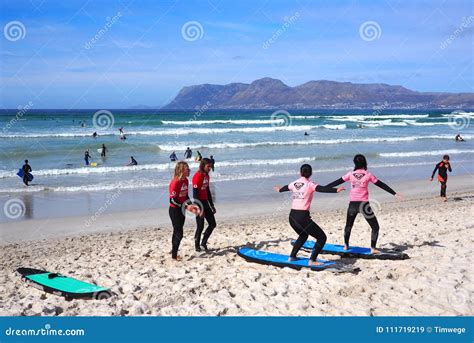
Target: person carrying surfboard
[[202, 194], [26, 171], [442, 168], [179, 203], [300, 219], [359, 199]]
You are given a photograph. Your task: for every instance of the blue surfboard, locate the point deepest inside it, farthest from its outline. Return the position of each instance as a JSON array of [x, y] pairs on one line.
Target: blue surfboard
[[20, 174], [360, 252], [280, 260]]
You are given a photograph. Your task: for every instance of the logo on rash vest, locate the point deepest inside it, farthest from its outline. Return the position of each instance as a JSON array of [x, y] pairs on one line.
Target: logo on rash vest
[[298, 185], [184, 187], [358, 176]]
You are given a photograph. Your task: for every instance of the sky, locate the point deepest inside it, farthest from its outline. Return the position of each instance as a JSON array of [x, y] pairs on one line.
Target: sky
[[120, 54]]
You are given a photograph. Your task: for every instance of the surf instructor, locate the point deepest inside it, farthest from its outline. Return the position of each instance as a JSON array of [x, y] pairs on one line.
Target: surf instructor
[[202, 195]]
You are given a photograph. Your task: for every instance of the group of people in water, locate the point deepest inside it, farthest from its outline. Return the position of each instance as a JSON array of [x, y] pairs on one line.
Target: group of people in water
[[303, 189]]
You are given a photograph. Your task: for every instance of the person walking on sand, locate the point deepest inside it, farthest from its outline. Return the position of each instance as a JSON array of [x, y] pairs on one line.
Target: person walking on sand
[[87, 156], [103, 151], [359, 199], [442, 168], [202, 195], [300, 219], [26, 169], [179, 203]]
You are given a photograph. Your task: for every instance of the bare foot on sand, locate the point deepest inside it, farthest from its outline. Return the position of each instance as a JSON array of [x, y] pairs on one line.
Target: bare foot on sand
[[314, 263], [374, 251], [346, 247], [177, 258], [292, 259]]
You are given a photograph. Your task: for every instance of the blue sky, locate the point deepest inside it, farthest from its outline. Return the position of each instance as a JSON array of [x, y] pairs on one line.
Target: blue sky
[[141, 57]]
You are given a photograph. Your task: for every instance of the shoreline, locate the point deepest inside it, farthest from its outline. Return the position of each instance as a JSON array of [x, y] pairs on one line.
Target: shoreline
[[228, 210]]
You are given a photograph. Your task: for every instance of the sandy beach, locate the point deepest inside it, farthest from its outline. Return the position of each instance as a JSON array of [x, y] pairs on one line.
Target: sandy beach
[[134, 261]]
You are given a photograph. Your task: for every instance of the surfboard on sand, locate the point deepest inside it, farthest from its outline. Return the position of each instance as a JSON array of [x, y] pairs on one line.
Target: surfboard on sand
[[20, 174], [61, 285], [280, 260], [359, 252]]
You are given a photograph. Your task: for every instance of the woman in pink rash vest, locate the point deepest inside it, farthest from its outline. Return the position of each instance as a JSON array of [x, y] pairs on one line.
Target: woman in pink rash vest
[[359, 199], [300, 219]]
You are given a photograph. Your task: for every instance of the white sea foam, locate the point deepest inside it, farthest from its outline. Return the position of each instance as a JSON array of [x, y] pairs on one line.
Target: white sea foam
[[426, 153]]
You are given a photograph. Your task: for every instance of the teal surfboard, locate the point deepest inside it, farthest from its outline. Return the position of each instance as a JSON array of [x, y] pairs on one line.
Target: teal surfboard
[[280, 260], [61, 285]]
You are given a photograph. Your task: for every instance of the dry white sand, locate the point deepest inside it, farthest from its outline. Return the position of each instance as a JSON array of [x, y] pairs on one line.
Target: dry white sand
[[136, 264]]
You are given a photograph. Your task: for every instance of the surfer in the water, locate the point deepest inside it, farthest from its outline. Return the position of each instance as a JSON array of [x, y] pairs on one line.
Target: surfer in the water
[[103, 151], [87, 157], [188, 153], [133, 162], [213, 162], [202, 195], [198, 156], [26, 171], [94, 135], [442, 168], [359, 199], [300, 218], [179, 202], [173, 157], [458, 138]]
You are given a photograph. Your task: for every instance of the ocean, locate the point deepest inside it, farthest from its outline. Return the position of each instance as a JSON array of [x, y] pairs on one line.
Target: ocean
[[253, 150]]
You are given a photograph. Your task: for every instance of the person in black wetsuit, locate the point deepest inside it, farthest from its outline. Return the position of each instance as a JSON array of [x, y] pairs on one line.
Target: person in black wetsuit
[[26, 169], [173, 157], [442, 168], [188, 153], [213, 162], [458, 138], [300, 219], [202, 195], [103, 151], [359, 199], [133, 162], [87, 157]]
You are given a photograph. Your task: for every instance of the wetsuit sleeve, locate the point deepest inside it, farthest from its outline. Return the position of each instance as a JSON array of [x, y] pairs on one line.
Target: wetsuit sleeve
[[209, 197], [284, 189], [338, 182], [175, 202], [434, 171], [385, 187], [197, 183], [174, 194], [325, 189], [449, 167]]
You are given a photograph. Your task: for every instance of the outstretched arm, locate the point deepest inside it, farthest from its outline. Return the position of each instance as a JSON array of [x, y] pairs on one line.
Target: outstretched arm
[[325, 189], [449, 167], [338, 182], [385, 187], [284, 189], [435, 170]]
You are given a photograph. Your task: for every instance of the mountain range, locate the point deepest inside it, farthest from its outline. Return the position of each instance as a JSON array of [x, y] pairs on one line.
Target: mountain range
[[269, 93]]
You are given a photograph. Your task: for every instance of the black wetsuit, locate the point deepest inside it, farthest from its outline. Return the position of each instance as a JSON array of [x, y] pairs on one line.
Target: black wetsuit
[[173, 157], [188, 153], [442, 169], [212, 163], [301, 222], [209, 210], [356, 207], [26, 170], [177, 220]]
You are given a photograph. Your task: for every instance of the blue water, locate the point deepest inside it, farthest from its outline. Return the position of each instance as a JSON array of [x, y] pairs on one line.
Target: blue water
[[247, 145]]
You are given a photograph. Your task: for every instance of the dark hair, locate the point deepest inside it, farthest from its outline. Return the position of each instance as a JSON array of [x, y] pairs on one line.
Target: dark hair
[[26, 161], [360, 162], [446, 157], [306, 171], [203, 163]]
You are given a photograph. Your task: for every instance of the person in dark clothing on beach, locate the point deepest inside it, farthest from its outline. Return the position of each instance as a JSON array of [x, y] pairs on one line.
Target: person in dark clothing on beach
[[26, 169], [87, 157], [104, 150], [213, 161], [442, 168]]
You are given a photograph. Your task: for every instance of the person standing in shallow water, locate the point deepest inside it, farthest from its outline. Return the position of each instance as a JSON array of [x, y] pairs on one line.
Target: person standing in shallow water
[[26, 171], [179, 203], [442, 168]]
